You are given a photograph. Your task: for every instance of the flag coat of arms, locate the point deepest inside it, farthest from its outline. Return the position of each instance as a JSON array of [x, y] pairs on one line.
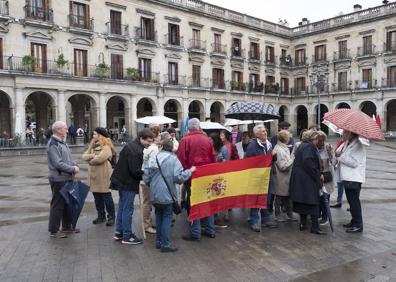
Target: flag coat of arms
[[235, 184]]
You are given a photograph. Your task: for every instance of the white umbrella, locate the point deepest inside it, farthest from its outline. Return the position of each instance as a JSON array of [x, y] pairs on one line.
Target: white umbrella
[[207, 125], [232, 122], [155, 119]]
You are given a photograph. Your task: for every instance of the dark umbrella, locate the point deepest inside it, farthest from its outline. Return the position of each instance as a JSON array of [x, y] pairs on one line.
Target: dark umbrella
[[251, 111], [74, 193], [325, 200]]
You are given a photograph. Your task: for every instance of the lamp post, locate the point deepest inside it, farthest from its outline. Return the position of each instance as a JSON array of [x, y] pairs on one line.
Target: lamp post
[[319, 79]]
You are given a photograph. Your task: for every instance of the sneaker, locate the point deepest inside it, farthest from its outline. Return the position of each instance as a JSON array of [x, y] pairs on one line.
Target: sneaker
[[132, 241], [255, 228], [323, 221], [110, 221], [58, 235], [117, 236], [98, 220], [168, 249], [71, 230], [151, 230], [279, 219], [220, 224]]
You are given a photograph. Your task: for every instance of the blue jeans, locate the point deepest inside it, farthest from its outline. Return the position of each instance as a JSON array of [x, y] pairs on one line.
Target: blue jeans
[[207, 225], [265, 214], [163, 220], [340, 190], [124, 214]]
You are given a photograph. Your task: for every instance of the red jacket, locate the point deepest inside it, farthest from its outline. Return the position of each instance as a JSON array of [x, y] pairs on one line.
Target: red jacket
[[195, 149]]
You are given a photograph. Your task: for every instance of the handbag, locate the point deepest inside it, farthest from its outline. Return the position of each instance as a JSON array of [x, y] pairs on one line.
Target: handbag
[[327, 176], [175, 205]]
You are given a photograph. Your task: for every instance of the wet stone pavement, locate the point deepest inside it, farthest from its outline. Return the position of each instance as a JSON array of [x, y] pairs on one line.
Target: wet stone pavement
[[237, 254]]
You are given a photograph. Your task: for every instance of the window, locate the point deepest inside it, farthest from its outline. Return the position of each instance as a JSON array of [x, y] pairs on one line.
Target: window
[[115, 22], [368, 45], [196, 76], [39, 52], [173, 34], [270, 54], [147, 29], [284, 53], [145, 69], [300, 57], [196, 39], [237, 81], [1, 53], [254, 51], [217, 43], [79, 15], [342, 49], [284, 85], [80, 62], [269, 80], [299, 84], [391, 41], [236, 47], [218, 78], [366, 78], [342, 81], [254, 83], [391, 76], [320, 53], [117, 66], [173, 76], [37, 9]]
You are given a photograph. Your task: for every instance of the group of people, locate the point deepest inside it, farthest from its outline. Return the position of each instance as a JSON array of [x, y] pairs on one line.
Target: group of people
[[155, 164]]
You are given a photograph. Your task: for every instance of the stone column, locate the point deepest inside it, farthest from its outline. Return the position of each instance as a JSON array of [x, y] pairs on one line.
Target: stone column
[[102, 110], [160, 107], [61, 111], [20, 115], [133, 117]]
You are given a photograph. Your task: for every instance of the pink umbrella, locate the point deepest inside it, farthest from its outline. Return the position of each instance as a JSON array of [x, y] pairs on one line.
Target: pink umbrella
[[378, 121], [356, 122]]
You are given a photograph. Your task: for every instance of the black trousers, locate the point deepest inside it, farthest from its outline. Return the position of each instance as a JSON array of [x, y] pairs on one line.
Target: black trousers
[[104, 202], [314, 221], [58, 212], [352, 192], [286, 203]]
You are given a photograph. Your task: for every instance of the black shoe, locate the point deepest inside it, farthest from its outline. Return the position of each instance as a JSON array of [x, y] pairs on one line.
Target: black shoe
[[190, 238], [336, 206], [132, 241], [354, 230], [303, 227], [110, 221], [318, 232], [323, 221], [348, 225], [168, 249], [158, 245], [98, 220], [117, 237], [220, 224], [255, 228], [212, 236]]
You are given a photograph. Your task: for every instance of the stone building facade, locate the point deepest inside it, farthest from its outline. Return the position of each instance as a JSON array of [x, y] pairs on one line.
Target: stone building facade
[[106, 63]]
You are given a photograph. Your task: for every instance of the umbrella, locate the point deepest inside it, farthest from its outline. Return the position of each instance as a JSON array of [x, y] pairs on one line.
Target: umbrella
[[208, 125], [356, 122], [74, 193], [326, 203], [232, 122], [155, 119], [251, 111]]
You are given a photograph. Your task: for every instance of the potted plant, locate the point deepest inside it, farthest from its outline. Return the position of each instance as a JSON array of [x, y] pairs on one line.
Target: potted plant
[[102, 70], [61, 62], [133, 74], [28, 62]]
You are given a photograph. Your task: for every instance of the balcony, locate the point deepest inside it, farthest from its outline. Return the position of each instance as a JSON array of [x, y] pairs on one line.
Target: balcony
[[198, 83], [218, 84], [270, 60], [320, 59], [342, 87], [197, 46], [175, 43], [286, 61], [219, 50], [390, 47], [4, 10], [175, 80], [238, 86], [344, 55], [299, 91], [365, 84], [142, 36], [271, 88], [301, 63], [237, 53], [143, 76], [117, 32], [256, 87], [366, 51], [38, 16], [81, 25], [389, 83], [254, 57]]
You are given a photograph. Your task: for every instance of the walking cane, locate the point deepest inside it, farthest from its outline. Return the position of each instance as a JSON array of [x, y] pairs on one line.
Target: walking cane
[[141, 211]]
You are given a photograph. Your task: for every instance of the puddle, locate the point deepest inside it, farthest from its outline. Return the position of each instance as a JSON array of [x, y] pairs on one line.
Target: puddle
[[24, 220], [24, 209], [37, 176], [7, 175]]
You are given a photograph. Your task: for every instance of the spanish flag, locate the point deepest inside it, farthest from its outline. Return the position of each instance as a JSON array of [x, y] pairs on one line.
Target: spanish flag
[[235, 184]]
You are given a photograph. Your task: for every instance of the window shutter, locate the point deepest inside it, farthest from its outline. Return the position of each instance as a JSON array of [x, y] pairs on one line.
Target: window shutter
[[1, 53], [44, 58], [85, 62]]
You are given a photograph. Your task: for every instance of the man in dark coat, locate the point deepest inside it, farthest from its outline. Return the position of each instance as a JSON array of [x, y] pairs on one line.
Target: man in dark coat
[[196, 149], [126, 178], [259, 146], [73, 134], [306, 182]]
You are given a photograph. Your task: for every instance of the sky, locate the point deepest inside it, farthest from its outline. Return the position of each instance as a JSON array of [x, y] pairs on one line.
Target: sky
[[293, 10]]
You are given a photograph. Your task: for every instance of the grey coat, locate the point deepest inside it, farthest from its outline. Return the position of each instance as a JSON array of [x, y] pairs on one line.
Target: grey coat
[[327, 164], [282, 168], [60, 162], [173, 173]]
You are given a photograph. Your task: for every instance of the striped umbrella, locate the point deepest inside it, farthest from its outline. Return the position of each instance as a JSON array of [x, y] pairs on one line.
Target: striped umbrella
[[356, 122], [254, 111]]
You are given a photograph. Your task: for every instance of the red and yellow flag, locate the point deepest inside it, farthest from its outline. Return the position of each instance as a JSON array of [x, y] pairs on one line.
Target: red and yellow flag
[[236, 184]]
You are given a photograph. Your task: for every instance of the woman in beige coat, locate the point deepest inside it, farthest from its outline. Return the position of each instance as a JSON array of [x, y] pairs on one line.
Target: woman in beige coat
[[99, 156], [281, 175]]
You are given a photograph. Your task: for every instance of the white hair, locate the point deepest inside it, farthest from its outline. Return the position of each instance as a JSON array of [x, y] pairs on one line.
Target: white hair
[[58, 124], [257, 128], [194, 124]]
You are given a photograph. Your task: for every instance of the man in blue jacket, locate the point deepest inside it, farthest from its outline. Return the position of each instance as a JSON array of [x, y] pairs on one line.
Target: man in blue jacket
[[259, 146]]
